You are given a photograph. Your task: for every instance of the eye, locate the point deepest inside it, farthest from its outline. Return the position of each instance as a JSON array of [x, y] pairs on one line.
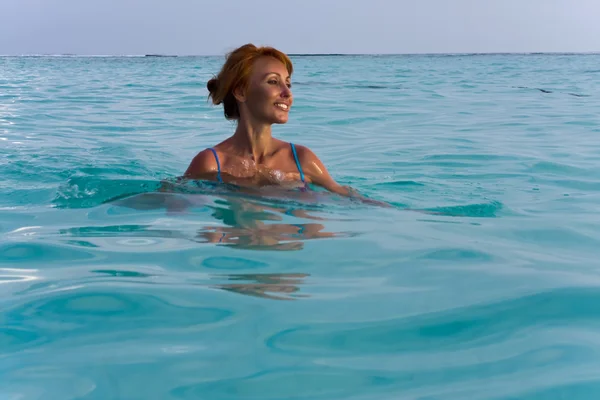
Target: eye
[[272, 81], [289, 85]]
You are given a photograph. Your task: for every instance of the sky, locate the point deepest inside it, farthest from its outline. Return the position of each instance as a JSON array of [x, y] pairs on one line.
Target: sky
[[202, 27]]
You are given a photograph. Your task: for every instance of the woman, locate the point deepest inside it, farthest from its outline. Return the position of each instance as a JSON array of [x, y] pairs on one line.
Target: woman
[[254, 87]]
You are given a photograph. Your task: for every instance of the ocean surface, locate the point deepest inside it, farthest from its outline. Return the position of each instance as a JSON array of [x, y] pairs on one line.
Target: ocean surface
[[481, 282]]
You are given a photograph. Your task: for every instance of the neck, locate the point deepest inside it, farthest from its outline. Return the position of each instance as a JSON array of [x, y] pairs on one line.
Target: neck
[[252, 139]]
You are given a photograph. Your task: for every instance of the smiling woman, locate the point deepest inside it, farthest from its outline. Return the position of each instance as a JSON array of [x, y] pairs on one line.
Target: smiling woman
[[254, 86]]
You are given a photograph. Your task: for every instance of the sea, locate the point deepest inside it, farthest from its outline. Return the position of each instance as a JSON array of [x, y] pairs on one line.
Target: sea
[[481, 281]]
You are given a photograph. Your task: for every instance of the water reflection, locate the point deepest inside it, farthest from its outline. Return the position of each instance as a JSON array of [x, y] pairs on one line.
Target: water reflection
[[249, 225], [269, 286], [245, 223]]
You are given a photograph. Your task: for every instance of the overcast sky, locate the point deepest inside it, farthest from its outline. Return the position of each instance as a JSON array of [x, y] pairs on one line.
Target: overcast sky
[[298, 26]]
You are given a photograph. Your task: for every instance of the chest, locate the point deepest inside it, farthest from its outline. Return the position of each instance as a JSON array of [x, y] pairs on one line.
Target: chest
[[260, 175], [270, 172]]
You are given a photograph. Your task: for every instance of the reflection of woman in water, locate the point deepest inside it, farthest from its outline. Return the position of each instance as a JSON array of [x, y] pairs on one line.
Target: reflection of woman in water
[[244, 228], [269, 286], [254, 87], [245, 223]]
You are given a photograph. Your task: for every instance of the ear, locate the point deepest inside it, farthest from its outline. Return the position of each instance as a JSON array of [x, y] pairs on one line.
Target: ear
[[240, 94]]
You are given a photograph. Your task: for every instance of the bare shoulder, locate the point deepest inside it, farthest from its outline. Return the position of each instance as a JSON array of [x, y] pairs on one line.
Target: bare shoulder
[[202, 164], [307, 157], [317, 173], [313, 166]]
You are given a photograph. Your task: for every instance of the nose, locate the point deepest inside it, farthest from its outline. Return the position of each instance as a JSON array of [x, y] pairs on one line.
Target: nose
[[286, 92]]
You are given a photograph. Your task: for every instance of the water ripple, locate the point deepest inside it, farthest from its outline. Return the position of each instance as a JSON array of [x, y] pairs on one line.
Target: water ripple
[[117, 281]]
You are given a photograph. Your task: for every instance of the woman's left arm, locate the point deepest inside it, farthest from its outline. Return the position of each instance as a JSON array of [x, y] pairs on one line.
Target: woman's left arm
[[317, 173]]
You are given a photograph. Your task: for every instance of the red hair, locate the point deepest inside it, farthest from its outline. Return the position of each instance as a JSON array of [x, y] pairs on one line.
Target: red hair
[[236, 73]]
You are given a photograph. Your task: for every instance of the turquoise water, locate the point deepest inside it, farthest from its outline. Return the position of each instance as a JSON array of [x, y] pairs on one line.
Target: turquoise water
[[483, 281]]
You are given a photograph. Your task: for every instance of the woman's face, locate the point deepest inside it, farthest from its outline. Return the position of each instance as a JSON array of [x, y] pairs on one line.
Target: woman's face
[[268, 97]]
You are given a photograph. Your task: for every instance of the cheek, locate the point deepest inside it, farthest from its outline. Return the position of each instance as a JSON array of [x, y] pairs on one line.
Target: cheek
[[261, 91], [258, 97]]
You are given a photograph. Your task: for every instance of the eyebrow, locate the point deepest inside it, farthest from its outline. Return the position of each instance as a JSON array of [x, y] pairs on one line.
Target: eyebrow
[[278, 74]]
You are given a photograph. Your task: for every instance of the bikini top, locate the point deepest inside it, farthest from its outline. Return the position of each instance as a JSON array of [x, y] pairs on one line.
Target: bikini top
[[293, 152]]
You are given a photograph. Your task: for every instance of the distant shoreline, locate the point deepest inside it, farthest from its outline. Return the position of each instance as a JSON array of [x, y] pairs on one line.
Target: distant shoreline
[[67, 55]]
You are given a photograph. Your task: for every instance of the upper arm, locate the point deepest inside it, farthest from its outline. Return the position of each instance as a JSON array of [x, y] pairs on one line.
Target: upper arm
[[202, 166], [317, 173]]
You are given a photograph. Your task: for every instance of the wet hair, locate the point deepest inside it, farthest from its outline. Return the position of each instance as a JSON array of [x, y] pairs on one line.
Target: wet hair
[[235, 73]]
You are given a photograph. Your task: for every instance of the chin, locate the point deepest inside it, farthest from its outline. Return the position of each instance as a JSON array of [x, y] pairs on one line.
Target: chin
[[279, 120]]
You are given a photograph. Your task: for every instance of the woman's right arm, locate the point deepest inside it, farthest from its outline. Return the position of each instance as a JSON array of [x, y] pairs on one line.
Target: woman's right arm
[[202, 166]]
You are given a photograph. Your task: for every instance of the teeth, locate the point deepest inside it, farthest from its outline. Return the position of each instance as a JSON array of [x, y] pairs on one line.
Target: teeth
[[282, 106]]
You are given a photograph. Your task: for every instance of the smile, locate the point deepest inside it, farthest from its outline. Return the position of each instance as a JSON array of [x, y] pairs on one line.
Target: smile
[[282, 106]]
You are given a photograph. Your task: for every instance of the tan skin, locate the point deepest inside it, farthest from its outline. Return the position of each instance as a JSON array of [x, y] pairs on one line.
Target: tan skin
[[252, 156]]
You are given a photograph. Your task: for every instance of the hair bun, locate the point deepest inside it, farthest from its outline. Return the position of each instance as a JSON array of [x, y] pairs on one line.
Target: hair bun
[[213, 85]]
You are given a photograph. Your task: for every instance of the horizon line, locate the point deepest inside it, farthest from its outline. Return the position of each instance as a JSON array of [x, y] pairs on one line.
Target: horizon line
[[167, 55]]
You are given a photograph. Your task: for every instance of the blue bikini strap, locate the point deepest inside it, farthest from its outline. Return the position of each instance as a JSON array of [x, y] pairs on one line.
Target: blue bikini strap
[[297, 161], [218, 165]]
